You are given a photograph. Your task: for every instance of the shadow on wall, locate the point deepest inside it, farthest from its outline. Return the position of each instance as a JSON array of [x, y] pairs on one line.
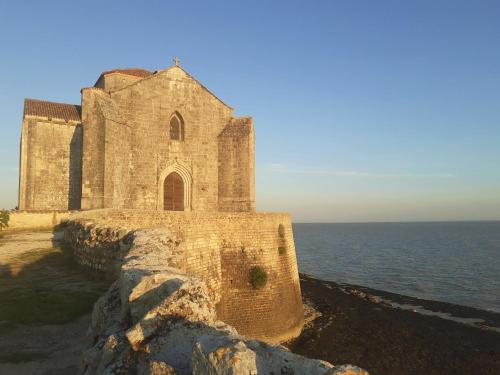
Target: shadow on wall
[[75, 170]]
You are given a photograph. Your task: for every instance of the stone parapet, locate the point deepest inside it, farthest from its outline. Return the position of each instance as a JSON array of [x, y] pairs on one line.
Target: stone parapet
[[220, 249], [158, 319], [23, 220]]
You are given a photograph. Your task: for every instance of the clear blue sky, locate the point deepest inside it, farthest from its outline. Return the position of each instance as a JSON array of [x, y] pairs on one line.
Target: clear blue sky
[[364, 110]]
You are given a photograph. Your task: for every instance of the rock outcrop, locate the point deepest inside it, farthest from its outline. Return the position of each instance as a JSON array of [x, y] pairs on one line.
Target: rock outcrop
[[156, 319]]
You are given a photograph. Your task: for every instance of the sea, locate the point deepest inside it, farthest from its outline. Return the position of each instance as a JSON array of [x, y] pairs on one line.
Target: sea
[[455, 262]]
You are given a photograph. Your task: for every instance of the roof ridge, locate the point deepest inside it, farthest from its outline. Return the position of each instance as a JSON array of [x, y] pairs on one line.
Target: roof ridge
[[122, 69], [48, 101], [167, 69], [48, 109], [127, 71]]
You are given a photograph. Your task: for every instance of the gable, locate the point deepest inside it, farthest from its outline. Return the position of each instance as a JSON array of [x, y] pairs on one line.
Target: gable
[[173, 73]]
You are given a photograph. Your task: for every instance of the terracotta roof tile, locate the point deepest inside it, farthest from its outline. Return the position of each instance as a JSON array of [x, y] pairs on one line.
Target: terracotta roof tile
[[42, 108]]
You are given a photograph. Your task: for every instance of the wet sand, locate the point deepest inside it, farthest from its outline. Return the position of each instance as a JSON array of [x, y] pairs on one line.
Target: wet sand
[[358, 326]]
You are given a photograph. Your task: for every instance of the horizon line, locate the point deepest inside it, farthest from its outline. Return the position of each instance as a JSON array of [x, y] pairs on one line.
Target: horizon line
[[400, 221]]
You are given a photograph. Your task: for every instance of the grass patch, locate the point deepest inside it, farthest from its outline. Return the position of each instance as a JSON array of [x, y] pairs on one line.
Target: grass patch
[[48, 288], [42, 305], [19, 357]]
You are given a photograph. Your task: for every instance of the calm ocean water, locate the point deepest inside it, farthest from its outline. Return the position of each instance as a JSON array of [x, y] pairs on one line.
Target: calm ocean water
[[457, 262]]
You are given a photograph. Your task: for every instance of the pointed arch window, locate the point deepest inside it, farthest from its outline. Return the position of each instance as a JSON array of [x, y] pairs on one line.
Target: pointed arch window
[[176, 127]]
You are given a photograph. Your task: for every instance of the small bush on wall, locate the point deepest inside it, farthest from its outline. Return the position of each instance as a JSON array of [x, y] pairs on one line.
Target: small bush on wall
[[282, 250], [258, 277]]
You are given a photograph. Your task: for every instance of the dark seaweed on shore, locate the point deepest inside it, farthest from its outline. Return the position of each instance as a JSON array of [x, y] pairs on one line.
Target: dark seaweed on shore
[[358, 326]]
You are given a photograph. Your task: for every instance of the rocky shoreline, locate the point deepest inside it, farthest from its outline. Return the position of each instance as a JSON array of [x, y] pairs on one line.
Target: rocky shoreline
[[387, 333]]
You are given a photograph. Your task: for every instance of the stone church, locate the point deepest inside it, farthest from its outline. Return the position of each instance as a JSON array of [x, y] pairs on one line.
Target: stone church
[[141, 140], [142, 147]]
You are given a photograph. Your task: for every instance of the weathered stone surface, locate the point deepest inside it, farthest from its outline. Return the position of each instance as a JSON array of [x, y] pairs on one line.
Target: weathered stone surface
[[158, 319], [152, 308], [110, 348], [118, 148], [217, 248], [50, 176], [224, 355], [156, 368], [188, 300], [174, 342]]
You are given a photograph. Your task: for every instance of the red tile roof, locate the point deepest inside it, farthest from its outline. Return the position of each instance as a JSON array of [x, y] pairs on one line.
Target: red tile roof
[[42, 108], [131, 72]]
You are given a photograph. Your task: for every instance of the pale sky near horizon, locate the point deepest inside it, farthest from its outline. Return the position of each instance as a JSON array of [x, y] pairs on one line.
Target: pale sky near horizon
[[364, 110]]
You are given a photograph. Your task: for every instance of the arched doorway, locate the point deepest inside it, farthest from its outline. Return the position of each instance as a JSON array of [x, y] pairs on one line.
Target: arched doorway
[[173, 193]]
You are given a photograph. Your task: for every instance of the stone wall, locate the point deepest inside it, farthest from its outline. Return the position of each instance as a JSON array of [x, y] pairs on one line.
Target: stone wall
[[115, 81], [50, 164], [220, 249], [237, 166], [98, 248], [93, 150], [157, 319], [20, 220], [147, 107], [120, 153], [128, 152]]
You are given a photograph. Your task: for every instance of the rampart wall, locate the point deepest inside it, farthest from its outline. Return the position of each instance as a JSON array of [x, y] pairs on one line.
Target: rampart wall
[[220, 249], [20, 220]]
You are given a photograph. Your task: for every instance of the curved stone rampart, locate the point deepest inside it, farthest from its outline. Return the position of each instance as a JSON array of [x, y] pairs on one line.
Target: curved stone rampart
[[156, 319], [218, 248]]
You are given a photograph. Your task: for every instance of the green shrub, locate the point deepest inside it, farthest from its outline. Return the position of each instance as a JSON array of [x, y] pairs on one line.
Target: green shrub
[[258, 277], [4, 219], [282, 250]]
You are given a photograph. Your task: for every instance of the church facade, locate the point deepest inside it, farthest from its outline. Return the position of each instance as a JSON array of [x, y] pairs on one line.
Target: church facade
[[139, 140]]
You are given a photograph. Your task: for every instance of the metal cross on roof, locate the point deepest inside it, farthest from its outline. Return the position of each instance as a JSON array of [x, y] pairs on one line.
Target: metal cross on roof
[[177, 62]]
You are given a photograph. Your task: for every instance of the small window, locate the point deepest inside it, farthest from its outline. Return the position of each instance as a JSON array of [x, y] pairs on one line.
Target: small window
[[176, 128]]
